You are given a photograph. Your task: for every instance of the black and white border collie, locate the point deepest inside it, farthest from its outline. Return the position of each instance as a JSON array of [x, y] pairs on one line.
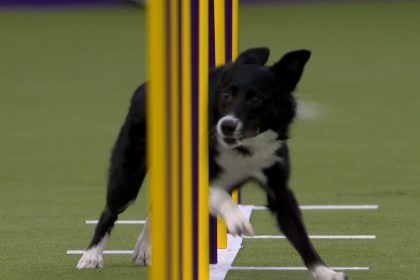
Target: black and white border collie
[[251, 107]]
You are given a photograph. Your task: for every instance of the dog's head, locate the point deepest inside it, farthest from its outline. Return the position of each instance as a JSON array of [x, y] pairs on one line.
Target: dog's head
[[248, 98]]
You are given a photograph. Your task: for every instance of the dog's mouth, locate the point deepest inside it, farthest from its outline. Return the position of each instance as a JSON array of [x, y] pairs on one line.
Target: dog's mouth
[[251, 132], [236, 140], [231, 142]]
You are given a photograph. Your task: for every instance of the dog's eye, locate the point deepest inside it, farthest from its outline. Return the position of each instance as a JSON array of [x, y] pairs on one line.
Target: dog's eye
[[227, 96], [255, 100]]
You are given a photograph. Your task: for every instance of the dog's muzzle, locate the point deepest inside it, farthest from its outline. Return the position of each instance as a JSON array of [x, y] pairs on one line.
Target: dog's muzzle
[[228, 129]]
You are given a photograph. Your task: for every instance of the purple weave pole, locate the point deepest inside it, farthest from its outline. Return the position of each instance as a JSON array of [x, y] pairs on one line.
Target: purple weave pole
[[212, 64]]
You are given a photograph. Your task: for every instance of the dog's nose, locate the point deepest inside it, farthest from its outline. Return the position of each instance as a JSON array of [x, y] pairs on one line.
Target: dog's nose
[[229, 126]]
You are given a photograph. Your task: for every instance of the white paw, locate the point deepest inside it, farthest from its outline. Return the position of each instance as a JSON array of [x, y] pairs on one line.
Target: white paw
[[142, 254], [92, 258], [220, 203], [324, 273], [236, 223]]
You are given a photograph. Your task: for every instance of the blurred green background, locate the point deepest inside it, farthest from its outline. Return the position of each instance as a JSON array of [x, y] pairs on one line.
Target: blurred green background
[[66, 76]]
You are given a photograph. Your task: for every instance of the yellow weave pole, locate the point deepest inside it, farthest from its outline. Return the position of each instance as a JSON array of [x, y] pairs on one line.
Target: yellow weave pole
[[235, 29], [219, 30], [203, 230], [177, 138], [220, 59], [235, 48], [226, 50], [187, 247], [156, 137]]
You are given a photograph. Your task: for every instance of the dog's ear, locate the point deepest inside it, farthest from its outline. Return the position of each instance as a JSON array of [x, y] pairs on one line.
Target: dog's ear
[[254, 56], [289, 68]]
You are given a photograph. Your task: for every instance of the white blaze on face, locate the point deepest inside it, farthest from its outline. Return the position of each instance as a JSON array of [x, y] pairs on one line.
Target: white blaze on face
[[229, 140]]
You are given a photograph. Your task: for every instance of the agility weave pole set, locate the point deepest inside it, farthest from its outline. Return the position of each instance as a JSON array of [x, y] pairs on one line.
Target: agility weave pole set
[[179, 58]]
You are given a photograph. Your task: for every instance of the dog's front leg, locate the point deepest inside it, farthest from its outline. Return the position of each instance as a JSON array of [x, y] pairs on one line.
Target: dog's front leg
[[288, 215], [221, 203]]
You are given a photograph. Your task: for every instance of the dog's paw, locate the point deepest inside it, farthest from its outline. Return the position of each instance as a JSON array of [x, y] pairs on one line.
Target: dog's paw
[[142, 254], [237, 224], [91, 259], [324, 273]]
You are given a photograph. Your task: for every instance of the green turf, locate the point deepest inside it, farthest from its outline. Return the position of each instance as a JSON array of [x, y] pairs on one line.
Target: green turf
[[66, 78]]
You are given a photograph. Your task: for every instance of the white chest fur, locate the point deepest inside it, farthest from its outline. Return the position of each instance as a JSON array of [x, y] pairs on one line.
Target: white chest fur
[[238, 167]]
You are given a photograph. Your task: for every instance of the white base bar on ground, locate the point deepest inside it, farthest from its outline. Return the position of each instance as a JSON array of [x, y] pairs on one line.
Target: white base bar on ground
[[119, 222], [106, 252], [227, 256], [260, 207], [291, 268], [314, 237], [327, 207]]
